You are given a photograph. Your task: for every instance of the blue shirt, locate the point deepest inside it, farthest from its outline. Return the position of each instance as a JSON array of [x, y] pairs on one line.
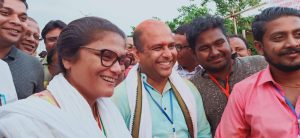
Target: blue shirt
[[161, 127]]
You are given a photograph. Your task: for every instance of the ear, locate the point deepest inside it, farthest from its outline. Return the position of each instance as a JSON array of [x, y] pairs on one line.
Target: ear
[[259, 47], [138, 53], [67, 64], [134, 50]]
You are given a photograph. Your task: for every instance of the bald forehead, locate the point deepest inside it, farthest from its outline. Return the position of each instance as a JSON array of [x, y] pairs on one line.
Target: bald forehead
[[152, 25]]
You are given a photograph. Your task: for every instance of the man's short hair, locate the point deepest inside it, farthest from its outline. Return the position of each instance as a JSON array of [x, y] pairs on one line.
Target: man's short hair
[[52, 25], [242, 38], [137, 40], [182, 29], [267, 15], [202, 24], [24, 1]]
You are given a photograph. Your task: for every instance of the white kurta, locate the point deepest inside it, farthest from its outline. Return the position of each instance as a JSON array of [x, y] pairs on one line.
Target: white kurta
[[35, 117]]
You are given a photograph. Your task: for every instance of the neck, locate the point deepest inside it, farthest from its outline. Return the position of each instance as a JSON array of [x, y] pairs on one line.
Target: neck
[[285, 78], [158, 84], [223, 73], [4, 51], [190, 67]]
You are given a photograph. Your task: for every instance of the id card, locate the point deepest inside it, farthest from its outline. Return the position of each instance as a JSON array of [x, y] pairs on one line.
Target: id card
[[2, 99]]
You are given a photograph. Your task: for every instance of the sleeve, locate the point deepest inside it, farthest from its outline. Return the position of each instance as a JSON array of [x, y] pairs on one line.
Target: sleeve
[[121, 101], [233, 123], [202, 123], [39, 78], [14, 125]]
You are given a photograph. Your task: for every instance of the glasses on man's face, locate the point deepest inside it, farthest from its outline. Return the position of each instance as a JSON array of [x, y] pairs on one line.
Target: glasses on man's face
[[108, 57], [180, 47], [34, 35]]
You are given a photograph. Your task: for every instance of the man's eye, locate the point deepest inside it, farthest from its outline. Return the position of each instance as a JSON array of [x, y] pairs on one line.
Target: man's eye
[[23, 18], [171, 46], [202, 48], [297, 34], [4, 13], [277, 38]]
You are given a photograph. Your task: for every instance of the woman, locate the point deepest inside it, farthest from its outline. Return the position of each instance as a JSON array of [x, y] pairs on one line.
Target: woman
[[91, 56]]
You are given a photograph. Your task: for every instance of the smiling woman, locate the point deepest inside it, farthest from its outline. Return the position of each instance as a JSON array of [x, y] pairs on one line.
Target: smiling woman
[[91, 56]]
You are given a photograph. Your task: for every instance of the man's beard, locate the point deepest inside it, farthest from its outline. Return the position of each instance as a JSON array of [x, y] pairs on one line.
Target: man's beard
[[281, 66], [217, 69]]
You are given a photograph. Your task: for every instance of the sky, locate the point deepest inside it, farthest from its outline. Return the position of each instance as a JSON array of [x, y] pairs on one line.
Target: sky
[[123, 13]]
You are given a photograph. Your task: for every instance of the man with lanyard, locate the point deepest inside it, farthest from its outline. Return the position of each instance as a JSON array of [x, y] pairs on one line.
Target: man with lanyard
[[267, 104], [221, 70], [154, 100]]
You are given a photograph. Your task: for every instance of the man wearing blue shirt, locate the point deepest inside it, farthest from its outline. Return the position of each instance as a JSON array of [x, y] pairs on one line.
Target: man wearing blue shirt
[[154, 100]]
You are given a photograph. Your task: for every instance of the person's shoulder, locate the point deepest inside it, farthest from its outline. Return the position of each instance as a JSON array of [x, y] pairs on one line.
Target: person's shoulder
[[252, 63], [47, 96], [28, 59], [250, 82], [198, 76], [255, 59]]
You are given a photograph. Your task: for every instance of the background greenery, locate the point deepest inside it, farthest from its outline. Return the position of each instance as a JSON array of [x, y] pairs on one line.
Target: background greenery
[[224, 9]]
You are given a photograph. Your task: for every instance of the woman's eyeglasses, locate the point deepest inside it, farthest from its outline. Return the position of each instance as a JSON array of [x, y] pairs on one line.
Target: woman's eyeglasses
[[108, 57]]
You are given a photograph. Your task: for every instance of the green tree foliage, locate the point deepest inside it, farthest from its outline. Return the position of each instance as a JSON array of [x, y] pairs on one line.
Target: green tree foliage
[[224, 8], [187, 14]]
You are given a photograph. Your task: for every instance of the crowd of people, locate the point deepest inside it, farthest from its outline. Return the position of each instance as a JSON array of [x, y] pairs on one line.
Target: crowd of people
[[197, 81]]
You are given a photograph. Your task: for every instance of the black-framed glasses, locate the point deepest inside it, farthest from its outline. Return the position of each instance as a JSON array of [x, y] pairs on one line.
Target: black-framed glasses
[[108, 57], [180, 47]]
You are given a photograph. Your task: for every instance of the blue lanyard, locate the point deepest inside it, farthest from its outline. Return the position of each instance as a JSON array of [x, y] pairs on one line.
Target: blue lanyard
[[289, 103], [162, 110]]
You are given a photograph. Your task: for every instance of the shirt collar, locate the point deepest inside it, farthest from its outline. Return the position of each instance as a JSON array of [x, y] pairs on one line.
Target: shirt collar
[[196, 69], [266, 77], [12, 54], [144, 79]]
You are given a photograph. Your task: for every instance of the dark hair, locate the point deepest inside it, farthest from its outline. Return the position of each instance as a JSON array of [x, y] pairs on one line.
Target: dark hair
[[267, 15], [182, 29], [50, 55], [82, 32], [136, 39], [202, 24], [52, 25], [242, 38], [24, 1]]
